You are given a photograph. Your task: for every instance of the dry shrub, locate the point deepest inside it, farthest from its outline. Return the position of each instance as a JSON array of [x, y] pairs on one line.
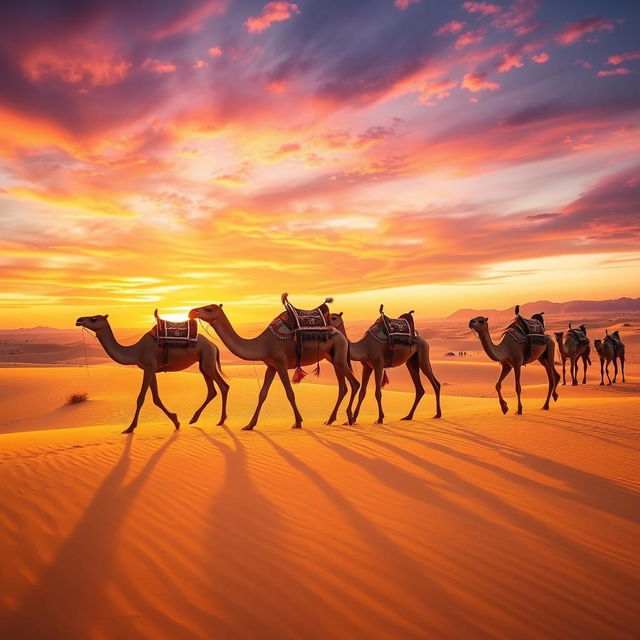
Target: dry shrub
[[77, 398]]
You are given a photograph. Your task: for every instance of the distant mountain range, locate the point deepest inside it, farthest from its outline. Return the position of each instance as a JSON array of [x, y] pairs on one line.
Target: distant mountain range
[[574, 307]]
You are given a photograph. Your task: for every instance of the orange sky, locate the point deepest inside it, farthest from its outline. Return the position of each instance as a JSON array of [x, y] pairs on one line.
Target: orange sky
[[468, 154]]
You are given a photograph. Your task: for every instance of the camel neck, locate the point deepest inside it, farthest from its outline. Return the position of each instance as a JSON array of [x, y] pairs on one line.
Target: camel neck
[[358, 349], [117, 352], [494, 351], [561, 348], [242, 348]]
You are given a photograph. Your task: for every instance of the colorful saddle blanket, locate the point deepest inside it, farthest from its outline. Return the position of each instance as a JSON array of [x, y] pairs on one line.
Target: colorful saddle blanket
[[616, 342], [302, 324], [580, 337], [175, 334], [526, 331], [394, 330]]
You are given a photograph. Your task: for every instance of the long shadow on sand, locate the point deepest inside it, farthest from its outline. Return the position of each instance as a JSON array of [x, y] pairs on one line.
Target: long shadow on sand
[[70, 599], [253, 575], [396, 566]]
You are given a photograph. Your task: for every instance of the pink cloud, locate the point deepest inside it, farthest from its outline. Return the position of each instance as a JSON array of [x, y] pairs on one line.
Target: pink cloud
[[271, 12], [483, 8], [540, 58], [518, 17], [470, 37], [215, 52], [438, 89], [510, 61], [192, 20], [477, 80], [574, 31], [619, 71], [158, 66], [199, 64], [455, 26], [404, 4], [622, 57], [80, 62]]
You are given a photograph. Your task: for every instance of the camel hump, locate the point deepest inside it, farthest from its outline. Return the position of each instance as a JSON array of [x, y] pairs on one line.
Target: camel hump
[[517, 309]]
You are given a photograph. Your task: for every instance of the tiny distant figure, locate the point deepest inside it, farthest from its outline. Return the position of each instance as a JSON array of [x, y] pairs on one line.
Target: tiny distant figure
[[610, 350]]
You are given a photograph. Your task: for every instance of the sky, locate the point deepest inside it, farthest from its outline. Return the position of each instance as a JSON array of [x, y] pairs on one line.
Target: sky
[[427, 154]]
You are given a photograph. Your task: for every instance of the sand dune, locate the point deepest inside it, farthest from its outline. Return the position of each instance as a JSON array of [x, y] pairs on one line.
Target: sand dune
[[478, 525]]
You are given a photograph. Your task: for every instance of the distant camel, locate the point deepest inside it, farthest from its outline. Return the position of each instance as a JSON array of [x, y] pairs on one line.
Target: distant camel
[[280, 355], [511, 355], [374, 355], [609, 350], [572, 348], [148, 356]]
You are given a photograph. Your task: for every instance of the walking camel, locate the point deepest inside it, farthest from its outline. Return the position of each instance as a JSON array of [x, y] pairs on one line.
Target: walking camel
[[279, 355], [574, 347], [152, 358], [516, 349], [375, 356], [609, 350]]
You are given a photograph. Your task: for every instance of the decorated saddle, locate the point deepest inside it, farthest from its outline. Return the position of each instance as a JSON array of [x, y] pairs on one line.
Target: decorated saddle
[[394, 330], [616, 342], [175, 334], [579, 335], [527, 331], [303, 325]]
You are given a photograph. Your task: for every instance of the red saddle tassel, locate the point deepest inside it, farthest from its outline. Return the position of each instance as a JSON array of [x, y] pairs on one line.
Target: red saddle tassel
[[385, 379], [298, 375]]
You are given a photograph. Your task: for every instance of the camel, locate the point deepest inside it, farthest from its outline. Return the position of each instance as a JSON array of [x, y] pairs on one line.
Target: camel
[[148, 356], [375, 355], [512, 354], [609, 351], [571, 350], [279, 356]]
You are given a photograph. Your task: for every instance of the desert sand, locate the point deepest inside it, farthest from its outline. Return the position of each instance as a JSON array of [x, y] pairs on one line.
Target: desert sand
[[474, 526]]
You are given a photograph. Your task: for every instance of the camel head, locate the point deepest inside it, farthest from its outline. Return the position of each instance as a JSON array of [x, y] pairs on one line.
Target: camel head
[[94, 323], [338, 323], [559, 335], [479, 324], [210, 313]]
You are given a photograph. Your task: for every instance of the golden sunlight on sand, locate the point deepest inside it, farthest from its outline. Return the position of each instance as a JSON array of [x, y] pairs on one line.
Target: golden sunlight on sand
[[474, 526]]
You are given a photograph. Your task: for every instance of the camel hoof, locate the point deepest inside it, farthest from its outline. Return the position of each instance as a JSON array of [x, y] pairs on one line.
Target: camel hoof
[[546, 407], [221, 423], [519, 412], [297, 426], [602, 384], [129, 430], [379, 422], [407, 418], [249, 427], [437, 416], [328, 423], [193, 420], [504, 408]]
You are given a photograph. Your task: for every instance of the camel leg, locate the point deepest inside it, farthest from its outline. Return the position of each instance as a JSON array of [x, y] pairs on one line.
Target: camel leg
[[211, 394], [355, 385], [622, 366], [503, 374], [564, 371], [269, 374], [156, 400], [585, 359], [147, 376], [366, 374], [378, 373], [602, 372], [224, 391], [615, 371], [342, 392], [291, 396], [413, 365], [425, 365], [549, 369], [574, 371], [516, 373]]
